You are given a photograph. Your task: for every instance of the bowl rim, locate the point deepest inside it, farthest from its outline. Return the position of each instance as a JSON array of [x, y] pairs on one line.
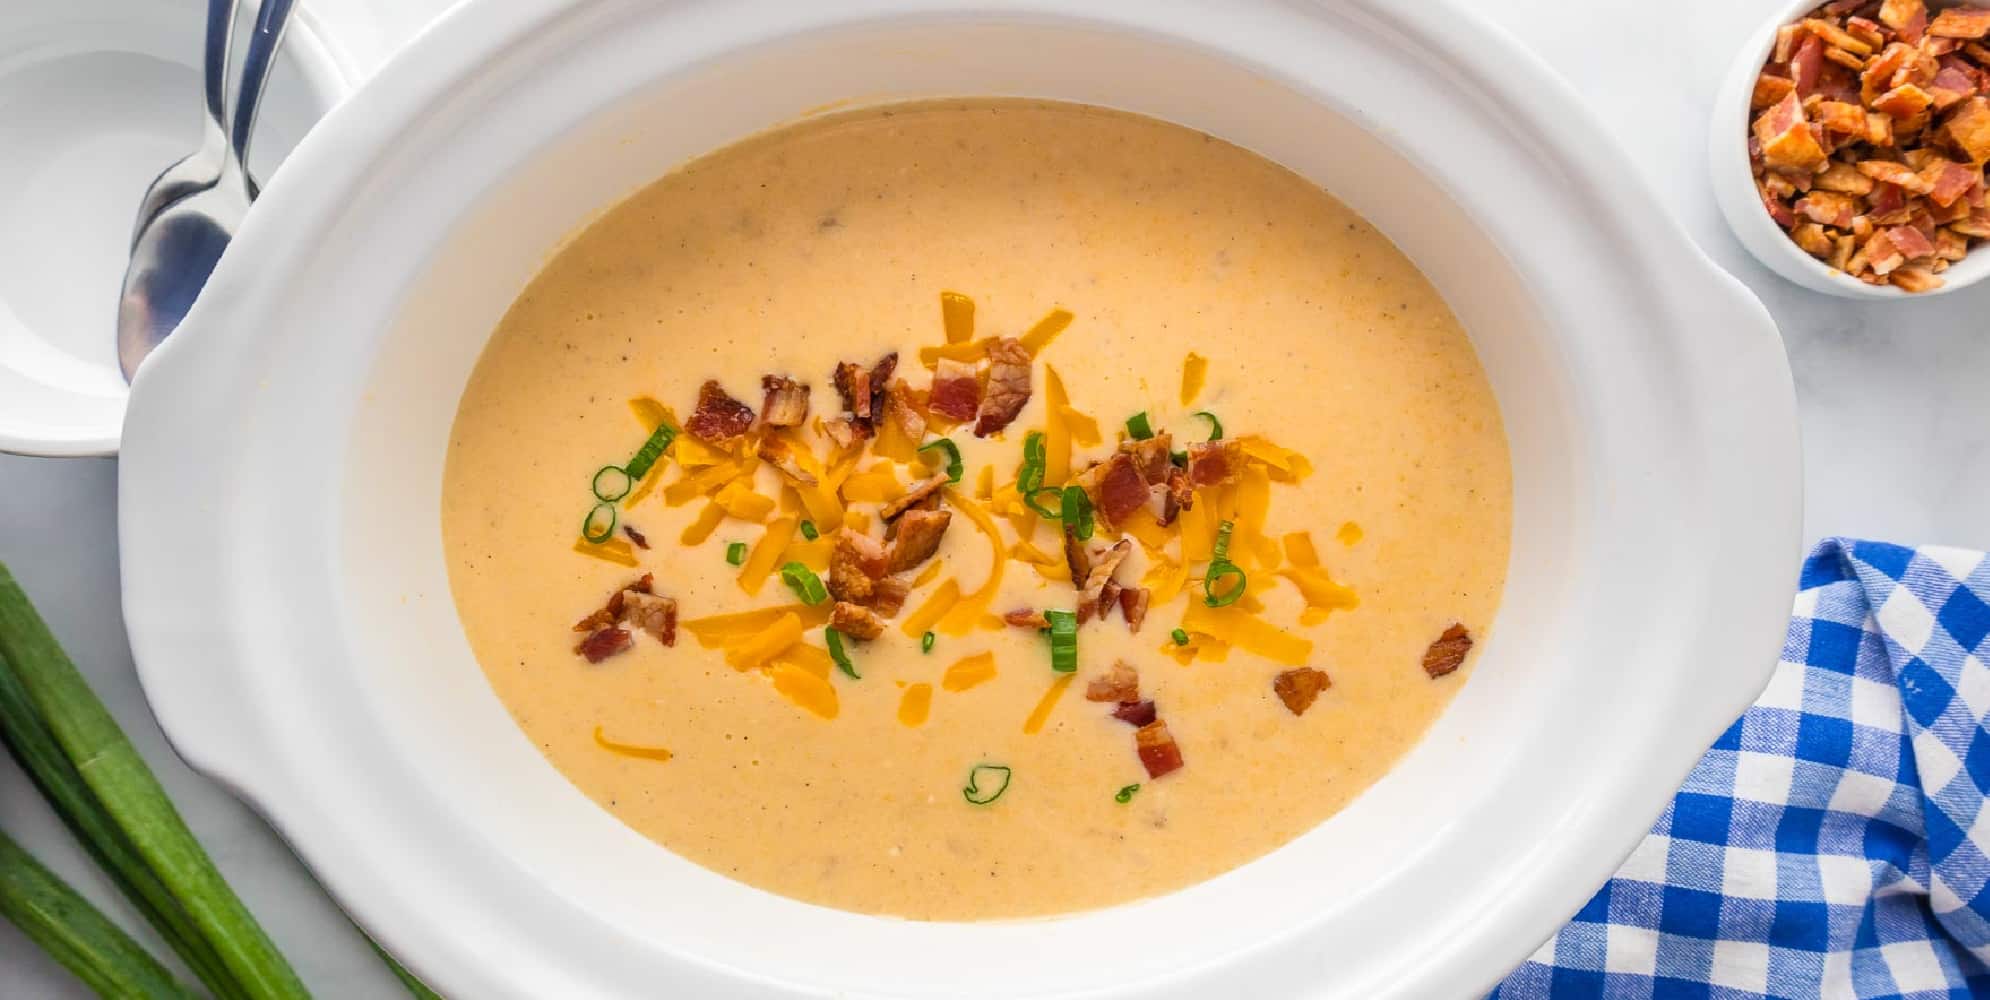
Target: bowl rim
[[1734, 181], [1752, 377]]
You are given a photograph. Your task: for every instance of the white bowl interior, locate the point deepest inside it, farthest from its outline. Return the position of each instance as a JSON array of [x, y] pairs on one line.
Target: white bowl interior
[[97, 97], [453, 722], [1640, 393]]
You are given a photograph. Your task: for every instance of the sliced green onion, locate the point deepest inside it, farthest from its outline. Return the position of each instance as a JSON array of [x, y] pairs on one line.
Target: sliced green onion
[[926, 642], [952, 451], [1180, 636], [1077, 512], [1215, 425], [1137, 427], [1180, 458], [599, 525], [1029, 476], [804, 583], [1063, 640], [736, 554], [986, 783], [1125, 795], [1220, 552], [611, 483], [834, 640], [1043, 510], [1218, 572], [652, 449], [809, 532]]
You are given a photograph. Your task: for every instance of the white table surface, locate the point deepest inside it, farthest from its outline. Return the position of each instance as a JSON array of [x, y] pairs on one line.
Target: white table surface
[[1896, 426]]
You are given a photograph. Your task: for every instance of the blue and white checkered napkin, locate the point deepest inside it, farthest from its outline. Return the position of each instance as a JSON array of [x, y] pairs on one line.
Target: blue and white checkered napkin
[[1835, 841]]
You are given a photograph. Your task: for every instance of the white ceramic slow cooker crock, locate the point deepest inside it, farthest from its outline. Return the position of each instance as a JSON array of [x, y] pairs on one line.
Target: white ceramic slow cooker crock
[[289, 606]]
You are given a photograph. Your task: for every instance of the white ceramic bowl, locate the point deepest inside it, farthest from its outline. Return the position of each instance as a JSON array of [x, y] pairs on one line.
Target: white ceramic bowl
[[289, 605], [1734, 182], [97, 97]]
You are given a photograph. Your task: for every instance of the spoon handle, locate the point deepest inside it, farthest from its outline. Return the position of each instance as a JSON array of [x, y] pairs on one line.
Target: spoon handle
[[272, 16]]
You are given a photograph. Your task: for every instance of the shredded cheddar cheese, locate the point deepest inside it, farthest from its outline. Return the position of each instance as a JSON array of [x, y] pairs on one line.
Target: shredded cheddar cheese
[[1045, 331], [815, 694], [1195, 371], [936, 605], [915, 704], [1048, 703], [755, 650], [767, 553], [968, 672], [613, 550], [707, 522]]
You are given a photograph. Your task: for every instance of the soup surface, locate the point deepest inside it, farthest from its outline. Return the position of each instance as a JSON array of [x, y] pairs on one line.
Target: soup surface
[[1359, 497]]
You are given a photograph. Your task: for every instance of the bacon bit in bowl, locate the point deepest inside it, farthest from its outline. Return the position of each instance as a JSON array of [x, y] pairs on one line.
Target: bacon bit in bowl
[[1157, 748], [1298, 688], [719, 419], [1870, 130], [1447, 651]]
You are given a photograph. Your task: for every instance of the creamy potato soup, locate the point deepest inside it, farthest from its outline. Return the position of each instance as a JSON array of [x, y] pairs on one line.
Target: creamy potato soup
[[976, 509]]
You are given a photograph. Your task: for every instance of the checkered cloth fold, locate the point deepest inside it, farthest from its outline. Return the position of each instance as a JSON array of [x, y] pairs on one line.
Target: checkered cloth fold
[[1834, 842]]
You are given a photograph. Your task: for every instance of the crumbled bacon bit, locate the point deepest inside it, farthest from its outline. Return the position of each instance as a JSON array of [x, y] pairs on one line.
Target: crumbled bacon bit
[[719, 418], [853, 383], [1077, 558], [1135, 713], [1213, 463], [1181, 495], [1133, 603], [901, 409], [855, 621], [1157, 748], [777, 453], [1103, 567], [1151, 457], [1961, 22], [843, 432], [786, 402], [652, 614], [1447, 652], [918, 537], [610, 611], [888, 595], [917, 496], [956, 393], [856, 564], [1026, 618], [1121, 683], [1116, 489], [1298, 688], [1008, 386], [603, 643], [637, 538]]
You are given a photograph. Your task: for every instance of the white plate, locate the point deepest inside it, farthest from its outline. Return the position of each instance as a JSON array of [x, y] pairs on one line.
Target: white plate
[[97, 97], [289, 605]]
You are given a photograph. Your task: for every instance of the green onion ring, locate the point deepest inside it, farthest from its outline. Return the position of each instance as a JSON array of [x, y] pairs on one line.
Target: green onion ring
[[652, 449], [996, 774], [1138, 428], [952, 451], [1125, 795], [1063, 640], [1215, 425], [1220, 570], [1076, 512], [606, 529], [618, 485], [834, 640], [1047, 513]]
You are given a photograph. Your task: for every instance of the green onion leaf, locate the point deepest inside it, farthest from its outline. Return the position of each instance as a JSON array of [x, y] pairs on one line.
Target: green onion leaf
[[834, 640], [1137, 427], [599, 525], [1043, 510], [1221, 551], [1029, 477], [952, 451], [1063, 640], [1217, 595], [1180, 636], [1077, 512], [1215, 425], [986, 783], [611, 483], [804, 583], [926, 642], [1125, 795], [652, 449], [1179, 458], [809, 532], [736, 554]]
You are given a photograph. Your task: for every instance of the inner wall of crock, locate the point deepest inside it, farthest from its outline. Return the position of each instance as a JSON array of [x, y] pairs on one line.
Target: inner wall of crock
[[434, 698]]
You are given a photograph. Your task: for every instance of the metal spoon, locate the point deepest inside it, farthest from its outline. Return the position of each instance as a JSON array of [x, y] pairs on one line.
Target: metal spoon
[[193, 208]]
